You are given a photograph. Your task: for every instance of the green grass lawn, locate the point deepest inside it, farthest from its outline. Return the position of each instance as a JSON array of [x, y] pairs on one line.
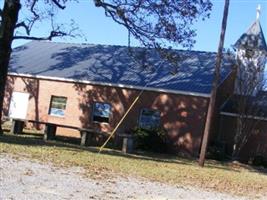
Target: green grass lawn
[[224, 177]]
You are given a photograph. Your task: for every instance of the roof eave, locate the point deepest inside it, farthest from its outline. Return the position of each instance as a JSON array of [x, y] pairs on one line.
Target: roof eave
[[206, 95]]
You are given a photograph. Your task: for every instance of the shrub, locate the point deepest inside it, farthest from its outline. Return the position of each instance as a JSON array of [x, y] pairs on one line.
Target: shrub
[[151, 140]]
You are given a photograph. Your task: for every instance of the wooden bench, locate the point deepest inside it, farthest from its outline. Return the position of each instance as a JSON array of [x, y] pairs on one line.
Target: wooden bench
[[127, 142], [87, 135], [51, 128], [17, 126]]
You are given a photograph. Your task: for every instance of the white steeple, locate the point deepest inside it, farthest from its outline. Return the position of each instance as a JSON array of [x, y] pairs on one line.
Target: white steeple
[[251, 57]]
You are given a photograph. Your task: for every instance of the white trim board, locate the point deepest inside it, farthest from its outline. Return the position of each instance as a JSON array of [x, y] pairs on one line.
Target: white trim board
[[111, 85]]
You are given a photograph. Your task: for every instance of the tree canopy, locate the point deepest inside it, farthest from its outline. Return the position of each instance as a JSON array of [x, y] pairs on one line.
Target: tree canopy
[[152, 22]]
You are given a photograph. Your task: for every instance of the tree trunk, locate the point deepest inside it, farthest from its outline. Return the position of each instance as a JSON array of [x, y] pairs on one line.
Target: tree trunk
[[211, 108], [239, 125], [7, 27]]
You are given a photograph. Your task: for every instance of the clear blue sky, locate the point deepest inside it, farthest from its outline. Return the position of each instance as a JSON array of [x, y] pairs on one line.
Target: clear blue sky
[[99, 29]]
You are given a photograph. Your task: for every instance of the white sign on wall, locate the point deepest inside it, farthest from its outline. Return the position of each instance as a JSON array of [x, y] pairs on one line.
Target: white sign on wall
[[19, 105]]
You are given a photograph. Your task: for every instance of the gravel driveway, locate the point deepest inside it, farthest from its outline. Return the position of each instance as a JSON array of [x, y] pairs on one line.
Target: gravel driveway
[[26, 179]]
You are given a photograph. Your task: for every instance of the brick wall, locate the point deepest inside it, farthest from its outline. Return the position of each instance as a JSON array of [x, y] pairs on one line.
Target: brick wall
[[181, 115]]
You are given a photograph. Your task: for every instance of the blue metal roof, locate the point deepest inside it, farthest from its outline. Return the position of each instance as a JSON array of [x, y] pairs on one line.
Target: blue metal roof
[[115, 65]]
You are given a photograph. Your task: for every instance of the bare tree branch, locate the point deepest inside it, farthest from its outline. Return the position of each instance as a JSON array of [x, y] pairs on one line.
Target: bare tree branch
[[52, 35], [100, 3], [23, 25], [36, 16], [28, 23], [56, 2]]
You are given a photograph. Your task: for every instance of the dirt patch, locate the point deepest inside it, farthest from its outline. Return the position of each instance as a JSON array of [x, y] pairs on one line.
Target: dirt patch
[[27, 179]]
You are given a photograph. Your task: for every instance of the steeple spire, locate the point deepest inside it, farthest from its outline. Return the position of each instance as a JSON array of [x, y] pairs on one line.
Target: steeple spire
[[254, 38], [258, 12]]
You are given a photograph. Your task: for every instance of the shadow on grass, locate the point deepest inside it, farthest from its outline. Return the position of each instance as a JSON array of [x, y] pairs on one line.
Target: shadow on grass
[[72, 144]]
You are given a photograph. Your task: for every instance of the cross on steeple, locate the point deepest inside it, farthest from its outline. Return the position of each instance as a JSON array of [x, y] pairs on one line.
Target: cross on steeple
[[258, 12], [253, 38]]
